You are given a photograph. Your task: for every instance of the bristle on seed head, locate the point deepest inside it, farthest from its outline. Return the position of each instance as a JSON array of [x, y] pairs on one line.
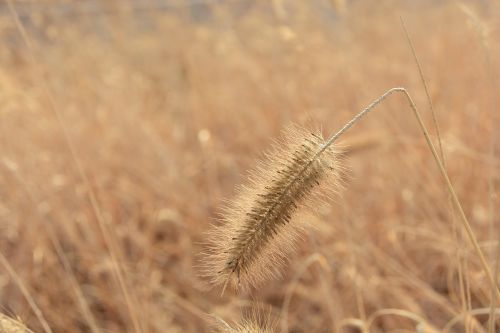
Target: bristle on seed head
[[254, 320], [259, 228]]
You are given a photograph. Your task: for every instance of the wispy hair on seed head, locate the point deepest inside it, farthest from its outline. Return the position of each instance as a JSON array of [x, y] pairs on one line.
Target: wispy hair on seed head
[[255, 233], [259, 229], [246, 326], [256, 319], [10, 325]]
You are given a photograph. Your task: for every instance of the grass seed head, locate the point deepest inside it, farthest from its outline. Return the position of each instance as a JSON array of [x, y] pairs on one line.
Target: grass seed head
[[9, 325], [256, 319], [259, 229], [246, 327]]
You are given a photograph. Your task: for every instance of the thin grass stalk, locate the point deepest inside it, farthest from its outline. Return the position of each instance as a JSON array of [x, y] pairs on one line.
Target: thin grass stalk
[[11, 325], [110, 242], [460, 258], [426, 89], [482, 32], [360, 303], [36, 309], [422, 324], [232, 264], [315, 257], [85, 308], [474, 312], [488, 65], [465, 222]]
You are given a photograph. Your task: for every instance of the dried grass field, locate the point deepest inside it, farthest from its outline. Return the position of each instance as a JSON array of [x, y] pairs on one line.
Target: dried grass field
[[126, 126]]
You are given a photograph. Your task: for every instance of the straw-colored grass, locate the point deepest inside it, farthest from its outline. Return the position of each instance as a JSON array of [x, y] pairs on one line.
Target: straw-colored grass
[[165, 109], [10, 325], [259, 228]]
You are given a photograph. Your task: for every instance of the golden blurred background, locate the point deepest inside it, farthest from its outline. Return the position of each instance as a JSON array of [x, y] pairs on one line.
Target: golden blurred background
[[124, 125]]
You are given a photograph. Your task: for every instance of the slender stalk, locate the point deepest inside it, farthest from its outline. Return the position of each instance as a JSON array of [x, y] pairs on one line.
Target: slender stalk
[[109, 240], [354, 262], [492, 152], [444, 174], [36, 309], [85, 307], [426, 89], [460, 259], [482, 32], [315, 257]]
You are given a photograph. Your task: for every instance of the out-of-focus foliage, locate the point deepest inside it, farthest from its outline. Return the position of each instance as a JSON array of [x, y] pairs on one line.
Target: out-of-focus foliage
[[168, 103]]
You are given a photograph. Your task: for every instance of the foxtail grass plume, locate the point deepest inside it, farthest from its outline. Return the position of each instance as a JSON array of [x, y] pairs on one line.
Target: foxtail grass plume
[[246, 327], [256, 319], [258, 230]]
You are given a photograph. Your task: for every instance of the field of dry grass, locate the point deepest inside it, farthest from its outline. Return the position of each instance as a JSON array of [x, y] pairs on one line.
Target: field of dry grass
[[122, 132]]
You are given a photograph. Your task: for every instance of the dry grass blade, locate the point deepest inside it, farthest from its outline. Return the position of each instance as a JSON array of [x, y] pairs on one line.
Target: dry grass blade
[[483, 33], [475, 312], [9, 325], [421, 323], [444, 174], [242, 245], [314, 258], [26, 293], [114, 250], [426, 89], [460, 260], [117, 145], [257, 234]]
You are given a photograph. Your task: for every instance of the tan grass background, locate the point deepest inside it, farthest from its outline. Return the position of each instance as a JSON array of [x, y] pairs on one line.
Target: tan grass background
[[168, 107]]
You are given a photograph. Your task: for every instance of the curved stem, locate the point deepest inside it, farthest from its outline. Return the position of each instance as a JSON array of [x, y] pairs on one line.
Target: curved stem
[[315, 257], [444, 174], [357, 117]]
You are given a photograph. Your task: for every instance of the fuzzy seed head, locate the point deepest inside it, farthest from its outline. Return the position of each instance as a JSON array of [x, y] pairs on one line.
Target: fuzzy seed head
[[259, 229], [247, 327], [9, 325], [256, 320]]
